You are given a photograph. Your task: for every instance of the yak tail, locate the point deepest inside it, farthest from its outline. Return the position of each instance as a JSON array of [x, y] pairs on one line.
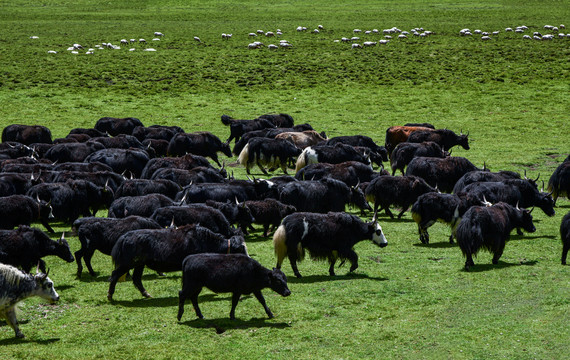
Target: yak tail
[[301, 160], [244, 156], [280, 244], [226, 120]]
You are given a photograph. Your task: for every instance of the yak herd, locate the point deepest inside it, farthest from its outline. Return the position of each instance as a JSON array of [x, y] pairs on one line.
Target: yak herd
[[169, 209]]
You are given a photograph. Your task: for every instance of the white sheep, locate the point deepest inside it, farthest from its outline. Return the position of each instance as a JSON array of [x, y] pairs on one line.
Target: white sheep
[[561, 26], [142, 40], [156, 39], [496, 32], [197, 39], [354, 38], [252, 46], [356, 46], [272, 47], [52, 52], [315, 31], [369, 43], [34, 37], [383, 42], [285, 45], [157, 33], [124, 41], [149, 49], [320, 27], [527, 37], [484, 38], [344, 39], [402, 36], [133, 49], [477, 31], [260, 32], [508, 29], [252, 34], [356, 31], [270, 34]]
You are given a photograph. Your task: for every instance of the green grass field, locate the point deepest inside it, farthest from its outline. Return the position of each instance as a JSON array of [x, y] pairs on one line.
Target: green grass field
[[407, 300]]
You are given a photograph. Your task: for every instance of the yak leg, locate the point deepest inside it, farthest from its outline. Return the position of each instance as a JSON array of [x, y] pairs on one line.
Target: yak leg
[[235, 300], [115, 275], [451, 238], [46, 225], [565, 249], [194, 298], [353, 258], [42, 265], [78, 255], [181, 300], [261, 299], [184, 294], [332, 261], [519, 232], [497, 254], [388, 212], [265, 230], [87, 258], [468, 261], [137, 280], [214, 157], [261, 167], [294, 267], [283, 163], [13, 322], [404, 209]]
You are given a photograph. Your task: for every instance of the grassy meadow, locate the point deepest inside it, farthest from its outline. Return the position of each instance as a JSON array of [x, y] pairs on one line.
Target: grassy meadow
[[405, 301]]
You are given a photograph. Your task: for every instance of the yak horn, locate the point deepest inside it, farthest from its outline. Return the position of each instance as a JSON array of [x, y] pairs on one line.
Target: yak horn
[[517, 206]]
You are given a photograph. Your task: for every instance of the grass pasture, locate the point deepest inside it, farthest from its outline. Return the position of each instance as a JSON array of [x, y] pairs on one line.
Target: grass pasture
[[407, 300]]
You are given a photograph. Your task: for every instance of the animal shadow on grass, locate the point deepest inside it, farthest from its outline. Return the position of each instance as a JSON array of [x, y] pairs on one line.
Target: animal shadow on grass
[[27, 340], [309, 279], [501, 265], [437, 245], [403, 219], [526, 236], [170, 301], [104, 277], [221, 325]]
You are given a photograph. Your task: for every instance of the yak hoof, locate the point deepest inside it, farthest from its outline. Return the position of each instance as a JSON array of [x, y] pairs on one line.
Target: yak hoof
[[110, 297], [19, 335], [146, 294]]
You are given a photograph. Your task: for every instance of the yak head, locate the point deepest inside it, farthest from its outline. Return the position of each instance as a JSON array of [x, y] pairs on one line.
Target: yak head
[[525, 219], [463, 141], [278, 282], [378, 237], [44, 286]]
